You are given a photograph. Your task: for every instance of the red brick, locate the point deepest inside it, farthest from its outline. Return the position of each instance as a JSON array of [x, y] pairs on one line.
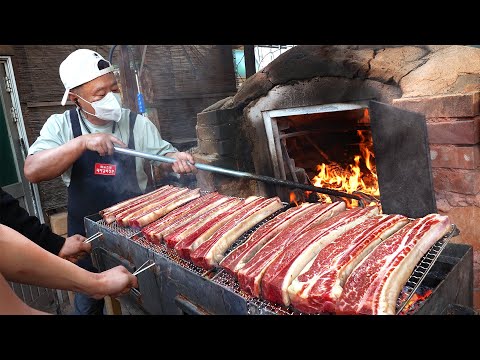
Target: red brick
[[467, 220], [458, 180], [476, 267], [457, 105], [456, 157], [476, 299], [454, 132]]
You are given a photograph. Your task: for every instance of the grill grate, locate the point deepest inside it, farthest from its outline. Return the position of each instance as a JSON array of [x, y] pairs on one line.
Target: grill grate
[[221, 277], [250, 231], [127, 232], [422, 268], [225, 279], [163, 250]]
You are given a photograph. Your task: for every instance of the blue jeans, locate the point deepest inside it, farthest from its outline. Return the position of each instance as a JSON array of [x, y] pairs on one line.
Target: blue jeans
[[83, 304]]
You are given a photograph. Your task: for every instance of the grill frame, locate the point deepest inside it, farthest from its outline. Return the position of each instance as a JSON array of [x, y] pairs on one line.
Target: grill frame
[[174, 279]]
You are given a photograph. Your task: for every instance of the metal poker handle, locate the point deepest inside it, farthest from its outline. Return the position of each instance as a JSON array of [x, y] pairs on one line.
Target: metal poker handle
[[242, 174]]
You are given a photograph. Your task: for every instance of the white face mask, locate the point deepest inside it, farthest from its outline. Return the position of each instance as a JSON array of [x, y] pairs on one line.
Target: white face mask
[[109, 108]]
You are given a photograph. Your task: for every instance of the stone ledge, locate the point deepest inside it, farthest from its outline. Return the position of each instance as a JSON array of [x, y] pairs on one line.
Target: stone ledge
[[216, 117], [221, 147], [457, 105], [217, 132]]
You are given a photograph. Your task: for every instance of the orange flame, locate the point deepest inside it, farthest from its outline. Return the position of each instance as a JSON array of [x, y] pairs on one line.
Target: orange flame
[[416, 299], [351, 178], [293, 198]]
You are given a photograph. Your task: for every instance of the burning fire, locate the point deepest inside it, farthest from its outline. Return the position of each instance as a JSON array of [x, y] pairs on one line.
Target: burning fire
[[293, 199], [416, 301], [359, 176]]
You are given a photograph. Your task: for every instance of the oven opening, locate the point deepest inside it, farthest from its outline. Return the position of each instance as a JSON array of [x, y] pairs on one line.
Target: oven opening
[[328, 146]]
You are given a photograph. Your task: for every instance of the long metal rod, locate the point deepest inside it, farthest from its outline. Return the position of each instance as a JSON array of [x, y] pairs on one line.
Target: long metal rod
[[242, 174]]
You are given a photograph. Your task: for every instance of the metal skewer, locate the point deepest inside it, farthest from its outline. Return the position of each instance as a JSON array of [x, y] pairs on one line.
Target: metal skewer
[[93, 237], [141, 266], [139, 270], [242, 174]]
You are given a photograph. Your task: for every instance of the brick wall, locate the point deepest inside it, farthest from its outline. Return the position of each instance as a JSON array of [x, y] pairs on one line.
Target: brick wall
[[454, 137]]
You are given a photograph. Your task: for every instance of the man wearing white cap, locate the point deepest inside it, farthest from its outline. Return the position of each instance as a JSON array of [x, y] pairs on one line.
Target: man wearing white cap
[[78, 145]]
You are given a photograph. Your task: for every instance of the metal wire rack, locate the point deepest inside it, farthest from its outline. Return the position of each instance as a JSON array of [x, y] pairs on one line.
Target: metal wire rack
[[223, 278], [127, 232], [242, 238], [422, 268]]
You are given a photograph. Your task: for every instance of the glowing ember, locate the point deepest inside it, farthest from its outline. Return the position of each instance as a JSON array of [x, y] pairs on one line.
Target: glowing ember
[[359, 176], [415, 302]]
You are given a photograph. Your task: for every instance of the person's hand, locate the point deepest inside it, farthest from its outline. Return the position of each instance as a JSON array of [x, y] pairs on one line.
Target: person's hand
[[184, 164], [74, 248], [101, 143], [114, 282]]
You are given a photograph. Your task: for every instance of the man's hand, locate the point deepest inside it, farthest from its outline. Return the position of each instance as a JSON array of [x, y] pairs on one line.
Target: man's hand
[[74, 248], [114, 282], [101, 143], [184, 164]]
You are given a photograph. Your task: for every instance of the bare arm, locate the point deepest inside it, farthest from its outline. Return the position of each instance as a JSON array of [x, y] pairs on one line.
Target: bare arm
[[10, 304], [51, 163], [23, 261]]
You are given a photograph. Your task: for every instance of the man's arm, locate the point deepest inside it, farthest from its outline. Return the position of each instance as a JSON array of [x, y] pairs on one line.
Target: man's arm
[[25, 262], [16, 217], [10, 303], [50, 163]]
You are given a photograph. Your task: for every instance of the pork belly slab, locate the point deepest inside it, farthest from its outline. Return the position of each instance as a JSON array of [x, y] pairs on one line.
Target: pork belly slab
[[375, 284], [189, 236], [161, 210], [317, 288], [209, 254], [249, 277], [133, 204], [130, 201], [157, 230], [142, 208], [234, 261], [291, 261]]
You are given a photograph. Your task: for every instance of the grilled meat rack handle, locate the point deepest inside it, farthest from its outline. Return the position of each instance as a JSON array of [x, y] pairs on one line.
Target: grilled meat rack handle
[[244, 175]]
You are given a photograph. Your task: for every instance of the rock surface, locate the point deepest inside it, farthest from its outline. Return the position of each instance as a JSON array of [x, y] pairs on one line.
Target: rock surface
[[417, 70]]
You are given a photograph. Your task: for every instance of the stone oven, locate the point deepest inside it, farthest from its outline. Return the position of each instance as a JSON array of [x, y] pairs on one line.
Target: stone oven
[[273, 124]]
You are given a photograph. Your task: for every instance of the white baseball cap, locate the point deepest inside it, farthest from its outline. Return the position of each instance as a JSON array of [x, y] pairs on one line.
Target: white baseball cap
[[80, 67]]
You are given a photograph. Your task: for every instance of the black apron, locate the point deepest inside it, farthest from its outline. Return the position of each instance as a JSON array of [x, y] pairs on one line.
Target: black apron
[[98, 182]]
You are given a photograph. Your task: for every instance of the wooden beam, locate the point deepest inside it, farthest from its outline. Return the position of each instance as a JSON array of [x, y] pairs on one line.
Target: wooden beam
[[249, 53], [6, 50], [48, 104], [127, 79]]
